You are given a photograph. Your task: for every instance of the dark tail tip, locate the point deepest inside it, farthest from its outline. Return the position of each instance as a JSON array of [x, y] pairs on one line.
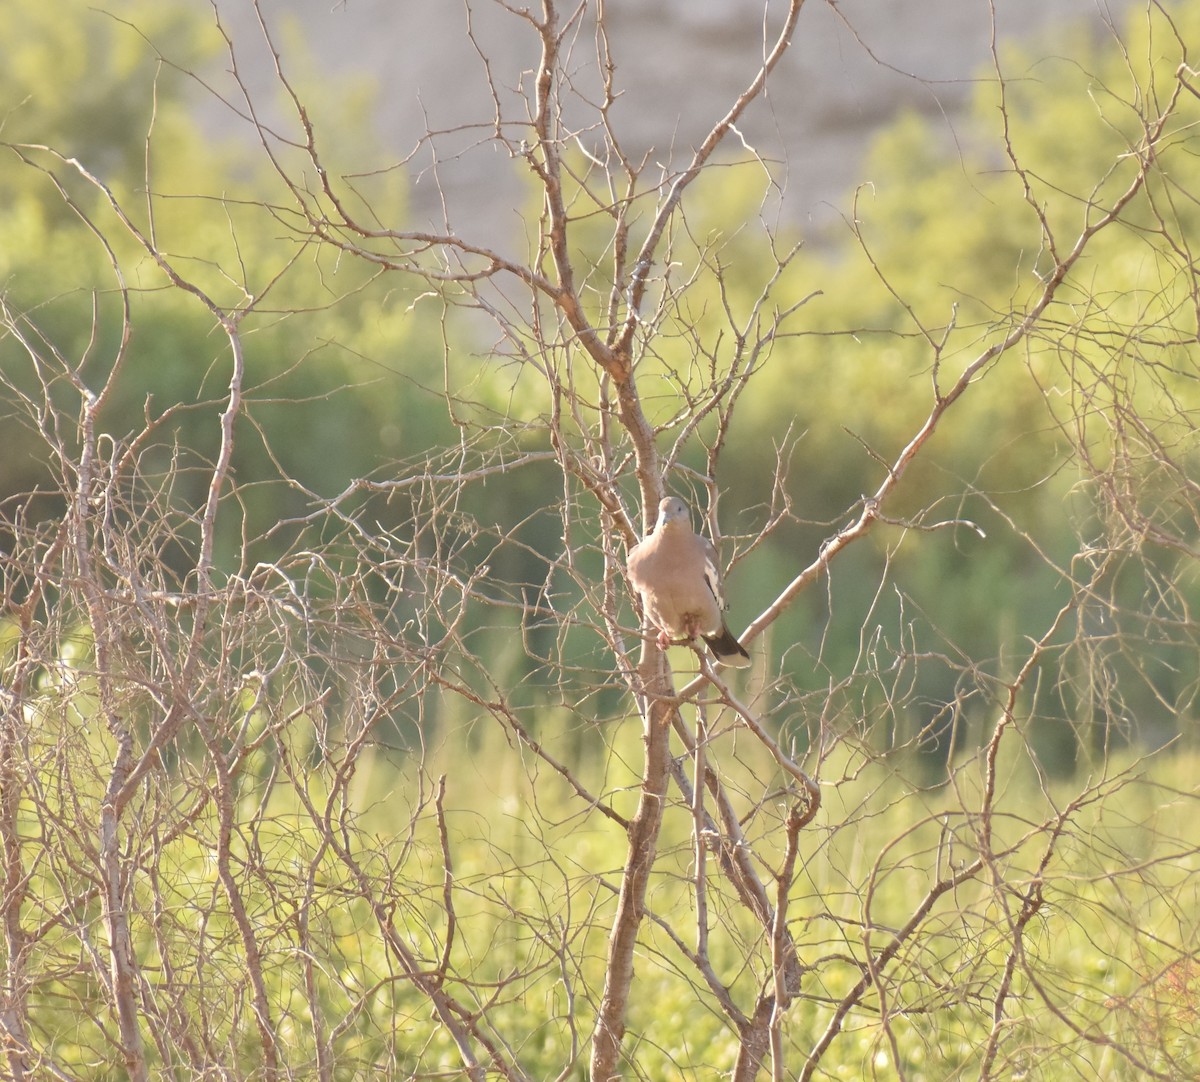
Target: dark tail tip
[[727, 650]]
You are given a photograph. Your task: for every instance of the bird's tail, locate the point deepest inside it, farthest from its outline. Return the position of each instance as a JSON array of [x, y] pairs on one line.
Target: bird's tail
[[727, 650]]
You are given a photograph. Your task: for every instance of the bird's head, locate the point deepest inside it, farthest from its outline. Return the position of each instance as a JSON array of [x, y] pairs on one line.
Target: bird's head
[[672, 509]]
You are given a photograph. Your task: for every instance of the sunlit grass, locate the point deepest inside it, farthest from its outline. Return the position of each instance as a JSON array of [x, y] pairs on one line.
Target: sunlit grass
[[1103, 963]]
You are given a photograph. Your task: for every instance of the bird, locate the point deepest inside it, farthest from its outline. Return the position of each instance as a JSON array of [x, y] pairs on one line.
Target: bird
[[678, 576]]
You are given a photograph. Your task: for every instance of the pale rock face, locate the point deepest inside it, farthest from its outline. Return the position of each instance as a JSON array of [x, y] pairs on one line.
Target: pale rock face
[[680, 63]]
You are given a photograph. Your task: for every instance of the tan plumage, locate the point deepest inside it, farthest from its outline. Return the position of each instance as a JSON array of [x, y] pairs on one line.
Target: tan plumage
[[678, 576]]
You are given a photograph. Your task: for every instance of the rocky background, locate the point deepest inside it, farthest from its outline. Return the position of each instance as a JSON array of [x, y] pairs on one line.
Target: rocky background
[[854, 66]]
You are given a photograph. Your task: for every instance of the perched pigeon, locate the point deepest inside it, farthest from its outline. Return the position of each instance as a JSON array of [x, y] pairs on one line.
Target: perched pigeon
[[678, 576]]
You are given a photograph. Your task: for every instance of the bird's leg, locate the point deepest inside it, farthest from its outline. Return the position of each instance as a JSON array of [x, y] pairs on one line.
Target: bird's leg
[[690, 630]]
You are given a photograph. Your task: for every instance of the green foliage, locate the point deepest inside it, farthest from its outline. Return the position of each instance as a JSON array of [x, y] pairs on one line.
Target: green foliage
[[342, 372]]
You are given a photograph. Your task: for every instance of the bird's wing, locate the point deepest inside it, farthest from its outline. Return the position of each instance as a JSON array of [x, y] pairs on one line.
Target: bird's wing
[[712, 571]]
